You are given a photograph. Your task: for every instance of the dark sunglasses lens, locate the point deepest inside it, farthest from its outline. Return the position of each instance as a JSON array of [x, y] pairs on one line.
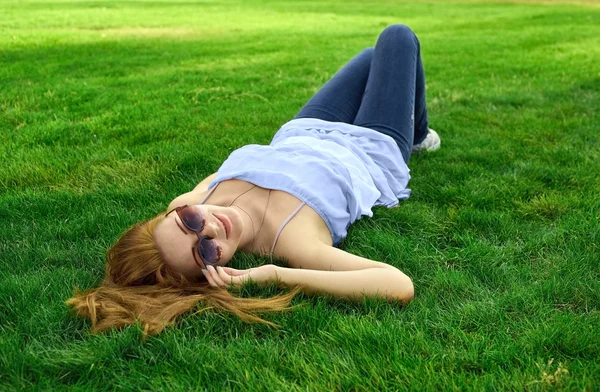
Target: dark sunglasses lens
[[207, 249], [192, 219]]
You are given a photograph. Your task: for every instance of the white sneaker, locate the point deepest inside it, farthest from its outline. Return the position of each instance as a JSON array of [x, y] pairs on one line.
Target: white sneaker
[[431, 143]]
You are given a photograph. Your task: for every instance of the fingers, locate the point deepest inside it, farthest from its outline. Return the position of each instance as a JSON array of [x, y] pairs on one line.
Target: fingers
[[218, 277], [236, 272], [213, 278]]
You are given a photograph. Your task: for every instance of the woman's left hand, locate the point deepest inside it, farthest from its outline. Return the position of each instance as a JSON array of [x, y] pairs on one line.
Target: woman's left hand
[[226, 276]]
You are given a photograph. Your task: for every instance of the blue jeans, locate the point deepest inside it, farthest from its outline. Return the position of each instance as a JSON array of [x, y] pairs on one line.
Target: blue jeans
[[382, 88]]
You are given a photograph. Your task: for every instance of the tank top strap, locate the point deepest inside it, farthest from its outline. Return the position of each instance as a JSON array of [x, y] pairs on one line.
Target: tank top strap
[[209, 193], [285, 222]]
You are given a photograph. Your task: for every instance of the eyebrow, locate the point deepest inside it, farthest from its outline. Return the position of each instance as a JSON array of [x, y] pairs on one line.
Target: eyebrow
[[178, 225]]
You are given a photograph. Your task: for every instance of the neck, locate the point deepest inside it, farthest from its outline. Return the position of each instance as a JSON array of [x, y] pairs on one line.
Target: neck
[[250, 230], [253, 220]]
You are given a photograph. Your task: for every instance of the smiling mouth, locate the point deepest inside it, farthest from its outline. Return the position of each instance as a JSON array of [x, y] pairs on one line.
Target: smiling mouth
[[225, 224]]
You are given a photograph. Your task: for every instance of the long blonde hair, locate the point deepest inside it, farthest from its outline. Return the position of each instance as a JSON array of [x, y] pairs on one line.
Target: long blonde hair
[[139, 286]]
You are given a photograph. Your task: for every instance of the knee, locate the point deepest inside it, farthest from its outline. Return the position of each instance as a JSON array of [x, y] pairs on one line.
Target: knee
[[367, 52], [399, 35], [365, 56]]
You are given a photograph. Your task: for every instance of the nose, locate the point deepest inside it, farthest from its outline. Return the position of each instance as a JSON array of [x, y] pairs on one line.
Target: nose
[[211, 229]]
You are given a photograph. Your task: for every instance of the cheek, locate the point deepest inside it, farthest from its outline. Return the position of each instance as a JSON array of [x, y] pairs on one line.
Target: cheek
[[226, 257]]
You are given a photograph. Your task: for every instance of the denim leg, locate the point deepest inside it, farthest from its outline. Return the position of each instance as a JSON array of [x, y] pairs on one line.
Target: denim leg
[[394, 98], [421, 119], [340, 98]]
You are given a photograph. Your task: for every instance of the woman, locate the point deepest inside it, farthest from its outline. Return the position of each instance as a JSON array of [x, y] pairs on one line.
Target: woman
[[345, 152]]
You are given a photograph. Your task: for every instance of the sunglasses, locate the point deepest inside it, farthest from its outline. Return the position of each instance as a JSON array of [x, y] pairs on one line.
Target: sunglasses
[[205, 251]]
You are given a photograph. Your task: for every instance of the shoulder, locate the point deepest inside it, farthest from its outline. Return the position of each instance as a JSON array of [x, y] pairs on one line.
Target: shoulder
[[226, 190], [189, 198], [306, 243], [195, 195], [305, 229]]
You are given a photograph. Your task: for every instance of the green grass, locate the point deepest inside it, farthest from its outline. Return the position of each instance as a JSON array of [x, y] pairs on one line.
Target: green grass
[[110, 109]]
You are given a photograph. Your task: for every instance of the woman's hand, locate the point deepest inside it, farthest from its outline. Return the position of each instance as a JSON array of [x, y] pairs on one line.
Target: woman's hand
[[226, 276]]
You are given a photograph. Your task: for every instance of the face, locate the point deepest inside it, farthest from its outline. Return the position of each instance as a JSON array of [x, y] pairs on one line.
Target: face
[[222, 225]]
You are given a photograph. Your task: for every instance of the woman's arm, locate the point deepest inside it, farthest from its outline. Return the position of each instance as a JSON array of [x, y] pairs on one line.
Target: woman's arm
[[329, 270], [388, 283], [323, 268]]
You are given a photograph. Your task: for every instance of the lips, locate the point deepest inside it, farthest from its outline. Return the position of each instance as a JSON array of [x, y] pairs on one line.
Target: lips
[[226, 224]]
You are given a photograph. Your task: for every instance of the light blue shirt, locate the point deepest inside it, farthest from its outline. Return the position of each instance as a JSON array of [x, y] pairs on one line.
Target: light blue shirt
[[340, 170]]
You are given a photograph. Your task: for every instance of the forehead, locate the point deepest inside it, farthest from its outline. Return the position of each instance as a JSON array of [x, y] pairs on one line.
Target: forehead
[[175, 246]]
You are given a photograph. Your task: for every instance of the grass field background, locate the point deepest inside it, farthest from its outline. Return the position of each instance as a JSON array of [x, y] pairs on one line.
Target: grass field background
[[110, 109]]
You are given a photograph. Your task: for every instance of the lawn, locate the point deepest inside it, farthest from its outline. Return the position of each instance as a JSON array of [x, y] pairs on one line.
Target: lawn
[[110, 109]]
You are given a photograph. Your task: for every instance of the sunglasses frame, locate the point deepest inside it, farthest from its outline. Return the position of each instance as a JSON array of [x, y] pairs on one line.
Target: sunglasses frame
[[195, 250]]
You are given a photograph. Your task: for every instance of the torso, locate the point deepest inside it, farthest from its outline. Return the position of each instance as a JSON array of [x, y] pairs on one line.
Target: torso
[[304, 229]]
